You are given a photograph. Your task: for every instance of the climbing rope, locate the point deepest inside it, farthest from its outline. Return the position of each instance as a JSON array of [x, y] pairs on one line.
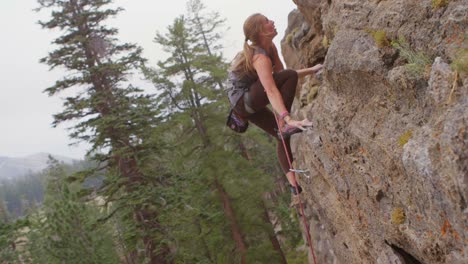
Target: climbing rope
[[304, 220]]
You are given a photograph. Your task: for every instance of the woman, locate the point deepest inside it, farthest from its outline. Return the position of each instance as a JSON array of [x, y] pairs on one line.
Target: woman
[[258, 78]]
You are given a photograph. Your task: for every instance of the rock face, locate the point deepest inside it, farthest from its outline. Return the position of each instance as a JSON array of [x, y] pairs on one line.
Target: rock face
[[388, 153]]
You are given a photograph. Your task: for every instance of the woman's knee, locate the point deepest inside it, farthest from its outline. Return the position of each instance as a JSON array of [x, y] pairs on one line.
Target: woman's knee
[[292, 74], [286, 75]]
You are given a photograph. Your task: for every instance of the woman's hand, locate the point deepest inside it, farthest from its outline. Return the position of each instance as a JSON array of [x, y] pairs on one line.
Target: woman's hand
[[300, 124], [308, 71], [317, 68]]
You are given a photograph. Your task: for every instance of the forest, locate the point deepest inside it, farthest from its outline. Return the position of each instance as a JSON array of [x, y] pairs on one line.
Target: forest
[[165, 181]]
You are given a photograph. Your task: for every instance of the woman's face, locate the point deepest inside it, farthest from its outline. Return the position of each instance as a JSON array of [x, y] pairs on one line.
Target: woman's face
[[269, 28]]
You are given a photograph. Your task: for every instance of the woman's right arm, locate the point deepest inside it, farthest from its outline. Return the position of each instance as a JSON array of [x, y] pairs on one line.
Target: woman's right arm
[[262, 65]]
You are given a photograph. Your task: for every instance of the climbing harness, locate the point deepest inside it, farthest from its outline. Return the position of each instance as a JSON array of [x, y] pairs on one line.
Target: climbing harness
[[309, 240]]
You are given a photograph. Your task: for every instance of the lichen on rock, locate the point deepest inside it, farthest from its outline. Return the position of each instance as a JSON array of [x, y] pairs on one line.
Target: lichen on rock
[[398, 216]]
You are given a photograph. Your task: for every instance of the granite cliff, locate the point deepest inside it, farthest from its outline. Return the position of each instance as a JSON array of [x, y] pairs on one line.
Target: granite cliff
[[388, 154]]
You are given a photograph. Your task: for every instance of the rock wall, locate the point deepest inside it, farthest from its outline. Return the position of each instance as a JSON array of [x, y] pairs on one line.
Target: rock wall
[[388, 153]]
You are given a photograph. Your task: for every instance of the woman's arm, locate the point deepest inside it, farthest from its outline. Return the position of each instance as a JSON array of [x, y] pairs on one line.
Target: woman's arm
[[303, 72], [278, 65], [263, 66]]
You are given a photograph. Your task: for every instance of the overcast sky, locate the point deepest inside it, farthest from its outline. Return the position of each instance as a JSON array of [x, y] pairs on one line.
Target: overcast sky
[[26, 112]]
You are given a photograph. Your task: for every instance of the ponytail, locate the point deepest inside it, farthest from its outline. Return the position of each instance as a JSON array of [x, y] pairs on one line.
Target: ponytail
[[248, 56], [242, 63]]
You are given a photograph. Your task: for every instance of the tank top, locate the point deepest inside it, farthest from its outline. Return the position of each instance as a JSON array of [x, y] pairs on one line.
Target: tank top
[[237, 85]]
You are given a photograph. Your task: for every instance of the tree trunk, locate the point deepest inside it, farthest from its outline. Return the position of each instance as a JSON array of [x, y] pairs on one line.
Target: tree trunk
[[271, 233], [127, 167], [145, 218], [128, 257], [105, 96], [156, 255], [207, 46], [235, 230], [200, 128]]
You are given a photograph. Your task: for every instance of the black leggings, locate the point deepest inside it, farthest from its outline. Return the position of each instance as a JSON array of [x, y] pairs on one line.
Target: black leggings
[[286, 81]]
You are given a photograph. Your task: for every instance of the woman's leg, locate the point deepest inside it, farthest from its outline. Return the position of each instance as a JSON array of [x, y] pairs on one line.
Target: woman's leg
[[286, 81], [265, 120]]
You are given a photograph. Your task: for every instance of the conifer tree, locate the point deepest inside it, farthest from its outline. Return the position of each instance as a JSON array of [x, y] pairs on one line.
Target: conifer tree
[[218, 196], [188, 88], [4, 215], [206, 28], [19, 194], [113, 118], [180, 78], [10, 234], [7, 251], [9, 241], [65, 230]]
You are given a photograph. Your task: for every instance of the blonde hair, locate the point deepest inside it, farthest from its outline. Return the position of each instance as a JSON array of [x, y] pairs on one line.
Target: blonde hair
[[242, 62]]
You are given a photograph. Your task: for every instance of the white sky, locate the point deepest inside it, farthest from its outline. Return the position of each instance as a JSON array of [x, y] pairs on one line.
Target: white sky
[[26, 112]]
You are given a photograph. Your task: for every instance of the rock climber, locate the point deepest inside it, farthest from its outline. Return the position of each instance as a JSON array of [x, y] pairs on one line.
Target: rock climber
[[257, 78]]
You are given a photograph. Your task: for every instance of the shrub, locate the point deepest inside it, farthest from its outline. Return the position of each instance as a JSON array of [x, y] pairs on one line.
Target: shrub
[[460, 62], [417, 62], [380, 38]]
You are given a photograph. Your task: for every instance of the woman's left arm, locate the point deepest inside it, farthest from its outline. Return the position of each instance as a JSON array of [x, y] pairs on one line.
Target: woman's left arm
[[278, 65], [308, 71]]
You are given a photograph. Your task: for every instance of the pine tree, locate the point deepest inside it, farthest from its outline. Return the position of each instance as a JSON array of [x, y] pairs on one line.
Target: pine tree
[[7, 239], [187, 92], [20, 195], [4, 215], [205, 27], [209, 186], [10, 236], [114, 119], [180, 79], [65, 230]]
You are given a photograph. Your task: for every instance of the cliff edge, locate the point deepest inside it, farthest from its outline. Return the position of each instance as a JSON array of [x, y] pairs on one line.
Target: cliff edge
[[388, 154]]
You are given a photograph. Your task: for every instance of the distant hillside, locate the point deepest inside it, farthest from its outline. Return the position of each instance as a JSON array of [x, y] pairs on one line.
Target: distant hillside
[[11, 168]]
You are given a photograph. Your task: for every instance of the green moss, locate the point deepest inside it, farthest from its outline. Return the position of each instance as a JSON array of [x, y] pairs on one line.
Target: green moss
[[289, 38], [313, 92], [460, 63], [439, 3], [405, 138], [398, 216], [291, 35], [335, 30], [325, 42], [380, 38]]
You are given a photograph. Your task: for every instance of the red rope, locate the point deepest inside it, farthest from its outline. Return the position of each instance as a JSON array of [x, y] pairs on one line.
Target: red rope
[[309, 240]]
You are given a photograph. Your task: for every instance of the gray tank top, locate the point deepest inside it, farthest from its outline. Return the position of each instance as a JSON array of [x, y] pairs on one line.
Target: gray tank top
[[237, 85]]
